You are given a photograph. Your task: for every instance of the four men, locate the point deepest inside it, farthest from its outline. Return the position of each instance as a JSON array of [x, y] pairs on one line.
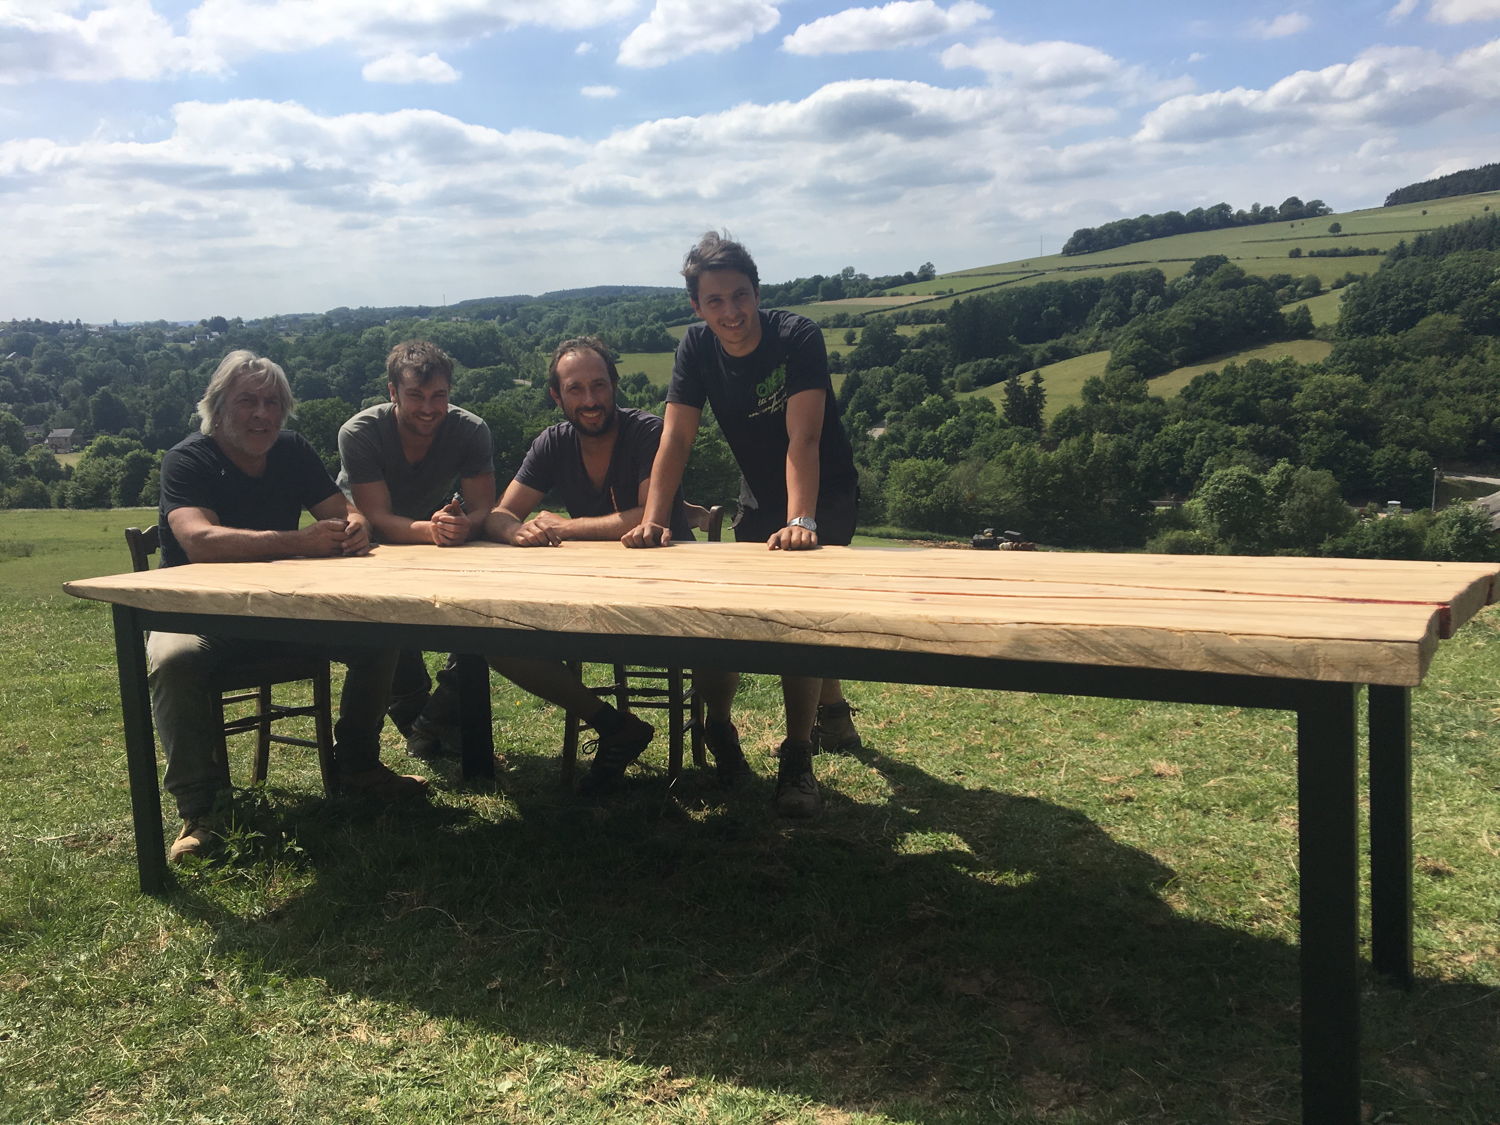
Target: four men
[[420, 470]]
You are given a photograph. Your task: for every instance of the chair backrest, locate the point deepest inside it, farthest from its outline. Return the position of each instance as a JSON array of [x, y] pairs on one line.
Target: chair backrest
[[142, 544], [710, 521]]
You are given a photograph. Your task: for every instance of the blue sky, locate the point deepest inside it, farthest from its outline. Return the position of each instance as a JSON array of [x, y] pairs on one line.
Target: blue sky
[[249, 157]]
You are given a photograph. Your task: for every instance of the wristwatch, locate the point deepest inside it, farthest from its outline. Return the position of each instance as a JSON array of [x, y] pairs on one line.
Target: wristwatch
[[803, 521]]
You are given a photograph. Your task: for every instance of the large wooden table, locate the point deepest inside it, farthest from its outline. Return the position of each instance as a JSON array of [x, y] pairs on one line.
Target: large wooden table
[[1302, 635]]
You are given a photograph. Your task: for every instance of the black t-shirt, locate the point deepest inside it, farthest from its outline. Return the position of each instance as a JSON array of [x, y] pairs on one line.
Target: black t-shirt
[[196, 473], [749, 394], [554, 463]]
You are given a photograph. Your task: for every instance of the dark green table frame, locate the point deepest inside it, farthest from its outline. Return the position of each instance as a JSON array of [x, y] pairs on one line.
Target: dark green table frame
[[1327, 768]]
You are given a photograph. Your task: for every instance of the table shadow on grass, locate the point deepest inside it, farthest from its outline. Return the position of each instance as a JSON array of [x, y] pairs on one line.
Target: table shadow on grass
[[947, 955]]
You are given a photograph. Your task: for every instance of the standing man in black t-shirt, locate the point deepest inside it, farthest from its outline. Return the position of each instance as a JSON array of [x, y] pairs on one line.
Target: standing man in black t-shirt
[[765, 374], [235, 492], [597, 461]]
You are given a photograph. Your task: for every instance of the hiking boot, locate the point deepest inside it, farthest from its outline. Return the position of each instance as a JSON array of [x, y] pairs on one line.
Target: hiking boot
[[613, 752], [405, 710], [429, 740], [382, 783], [196, 837], [796, 789], [723, 742], [834, 728]]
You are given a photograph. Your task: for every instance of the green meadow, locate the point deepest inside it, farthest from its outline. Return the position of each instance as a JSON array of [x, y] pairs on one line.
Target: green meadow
[[1017, 909]]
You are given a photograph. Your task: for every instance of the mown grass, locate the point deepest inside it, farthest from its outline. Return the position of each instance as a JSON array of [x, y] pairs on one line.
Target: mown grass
[[1017, 909]]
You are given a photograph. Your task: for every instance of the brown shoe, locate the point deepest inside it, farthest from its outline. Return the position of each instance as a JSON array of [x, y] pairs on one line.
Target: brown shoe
[[384, 784], [194, 840], [797, 792], [834, 728]]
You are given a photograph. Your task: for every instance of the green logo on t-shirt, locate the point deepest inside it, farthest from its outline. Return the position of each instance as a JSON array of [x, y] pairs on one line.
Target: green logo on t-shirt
[[770, 394]]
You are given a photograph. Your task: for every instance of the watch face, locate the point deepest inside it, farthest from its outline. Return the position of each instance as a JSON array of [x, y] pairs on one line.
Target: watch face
[[803, 521]]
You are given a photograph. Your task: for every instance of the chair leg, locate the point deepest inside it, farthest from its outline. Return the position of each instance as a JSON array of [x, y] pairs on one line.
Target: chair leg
[[262, 735], [676, 721], [700, 716], [216, 707], [323, 723], [571, 724], [622, 688]]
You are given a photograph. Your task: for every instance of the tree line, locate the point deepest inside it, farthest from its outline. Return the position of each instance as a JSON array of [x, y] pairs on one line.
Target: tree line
[[1468, 182], [1122, 232]]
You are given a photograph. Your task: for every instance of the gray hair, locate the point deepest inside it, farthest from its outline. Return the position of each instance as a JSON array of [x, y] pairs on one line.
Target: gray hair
[[257, 369]]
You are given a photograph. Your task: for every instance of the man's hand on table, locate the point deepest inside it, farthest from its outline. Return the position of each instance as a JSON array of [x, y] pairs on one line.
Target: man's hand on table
[[791, 538], [450, 525], [330, 537], [646, 534], [541, 530]]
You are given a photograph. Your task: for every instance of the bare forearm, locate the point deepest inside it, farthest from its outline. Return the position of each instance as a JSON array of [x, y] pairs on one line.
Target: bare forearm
[[611, 526], [802, 478], [391, 528], [666, 479], [239, 544], [502, 526]]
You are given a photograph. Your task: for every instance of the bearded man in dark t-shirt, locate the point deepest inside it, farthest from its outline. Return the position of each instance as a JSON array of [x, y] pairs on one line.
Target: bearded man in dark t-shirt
[[597, 461], [765, 376]]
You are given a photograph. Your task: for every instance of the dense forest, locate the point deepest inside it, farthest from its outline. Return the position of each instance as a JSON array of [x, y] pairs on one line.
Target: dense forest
[[1122, 232], [1468, 182], [1251, 457]]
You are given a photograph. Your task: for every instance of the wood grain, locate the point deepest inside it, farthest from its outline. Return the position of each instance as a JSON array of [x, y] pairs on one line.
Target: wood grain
[[1347, 620]]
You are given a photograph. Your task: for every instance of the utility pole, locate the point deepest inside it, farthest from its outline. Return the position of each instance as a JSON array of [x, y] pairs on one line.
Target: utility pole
[[1437, 475]]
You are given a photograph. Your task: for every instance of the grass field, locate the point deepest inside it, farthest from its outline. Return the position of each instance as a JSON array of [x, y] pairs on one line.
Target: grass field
[[1017, 909], [1064, 380]]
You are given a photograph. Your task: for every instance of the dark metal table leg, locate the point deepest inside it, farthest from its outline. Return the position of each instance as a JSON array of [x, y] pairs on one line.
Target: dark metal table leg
[[1327, 751], [140, 750], [478, 736], [1390, 833]]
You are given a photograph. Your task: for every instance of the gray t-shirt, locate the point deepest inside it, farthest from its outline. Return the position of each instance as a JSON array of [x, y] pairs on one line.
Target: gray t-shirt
[[370, 449]]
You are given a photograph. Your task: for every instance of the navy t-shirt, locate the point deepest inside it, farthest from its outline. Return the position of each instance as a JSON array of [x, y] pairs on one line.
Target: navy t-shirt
[[749, 394], [196, 473], [554, 463]]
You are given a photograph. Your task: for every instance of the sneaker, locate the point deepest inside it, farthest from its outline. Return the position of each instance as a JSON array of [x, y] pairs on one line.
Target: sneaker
[[429, 740], [194, 840], [383, 783], [613, 752], [834, 728], [723, 741], [796, 789]]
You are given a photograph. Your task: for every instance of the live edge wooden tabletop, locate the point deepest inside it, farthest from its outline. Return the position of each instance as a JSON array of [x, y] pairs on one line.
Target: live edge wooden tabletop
[[1344, 620]]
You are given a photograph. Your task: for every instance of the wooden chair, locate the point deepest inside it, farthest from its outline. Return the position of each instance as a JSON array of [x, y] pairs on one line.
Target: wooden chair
[[251, 681], [670, 690]]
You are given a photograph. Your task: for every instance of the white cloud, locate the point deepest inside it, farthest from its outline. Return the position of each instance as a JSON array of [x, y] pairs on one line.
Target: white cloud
[[1464, 11], [902, 23], [677, 28], [1056, 70], [115, 39], [600, 91], [1037, 66], [235, 28], [1402, 9], [584, 48], [405, 67], [1287, 24], [1382, 86]]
